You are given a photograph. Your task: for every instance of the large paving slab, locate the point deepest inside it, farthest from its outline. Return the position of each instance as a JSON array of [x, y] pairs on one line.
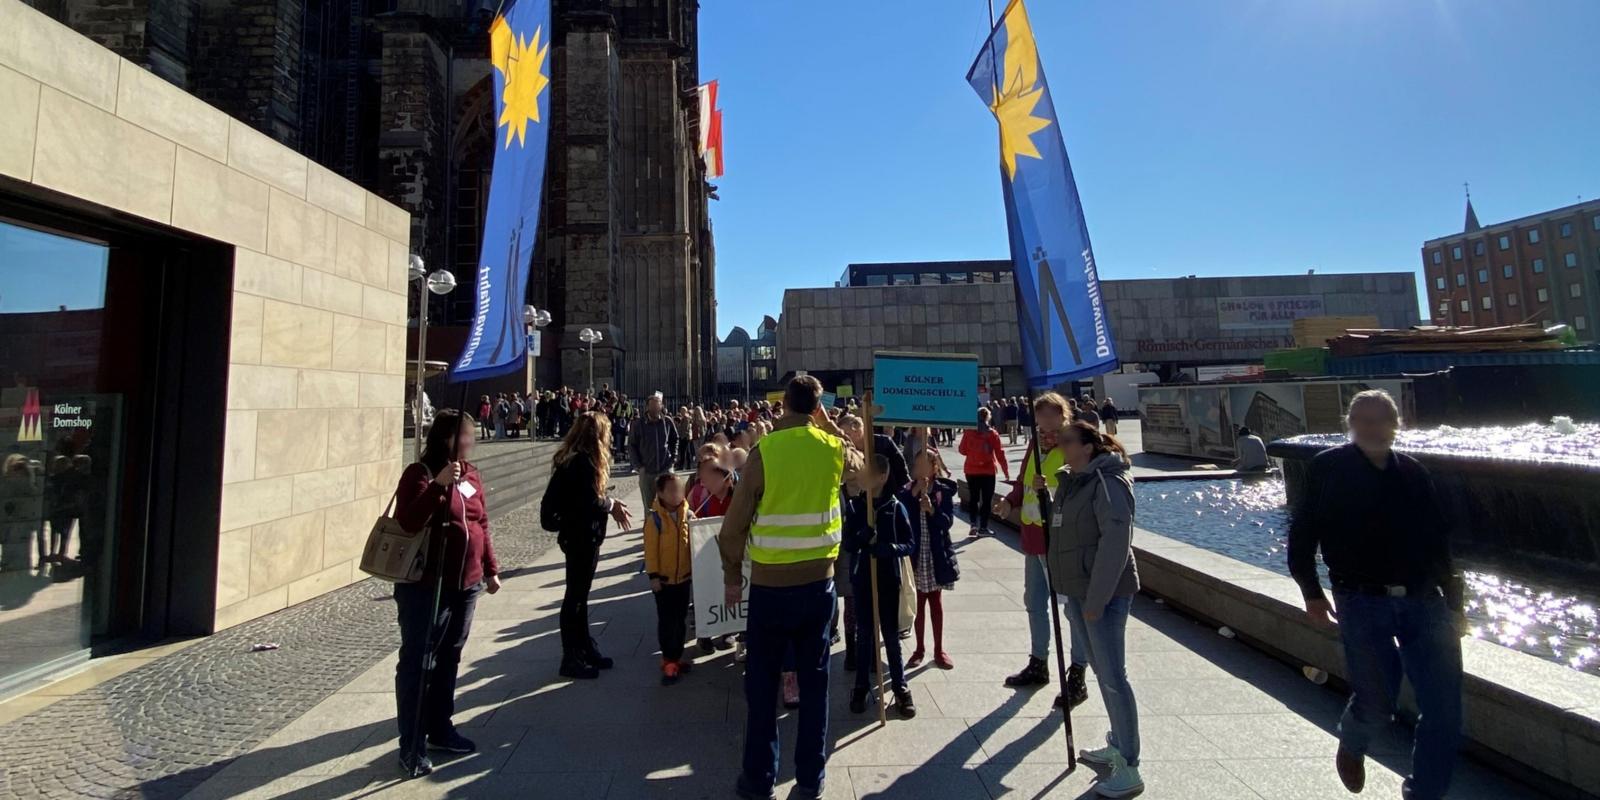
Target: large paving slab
[[1219, 720]]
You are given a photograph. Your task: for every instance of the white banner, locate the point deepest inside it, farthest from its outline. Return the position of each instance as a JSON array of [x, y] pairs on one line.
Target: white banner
[[713, 617], [1249, 313]]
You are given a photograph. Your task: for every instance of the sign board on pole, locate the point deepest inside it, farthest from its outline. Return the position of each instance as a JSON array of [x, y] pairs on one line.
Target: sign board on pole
[[829, 399], [535, 343], [774, 397], [935, 389], [713, 617]]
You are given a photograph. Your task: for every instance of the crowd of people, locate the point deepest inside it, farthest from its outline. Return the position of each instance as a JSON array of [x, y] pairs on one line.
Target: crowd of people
[[809, 519]]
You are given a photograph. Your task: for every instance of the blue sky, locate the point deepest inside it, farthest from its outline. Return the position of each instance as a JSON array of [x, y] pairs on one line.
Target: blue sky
[[1226, 137], [76, 270]]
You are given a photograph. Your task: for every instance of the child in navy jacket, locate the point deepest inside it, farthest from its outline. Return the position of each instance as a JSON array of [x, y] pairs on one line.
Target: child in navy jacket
[[930, 500], [884, 546]]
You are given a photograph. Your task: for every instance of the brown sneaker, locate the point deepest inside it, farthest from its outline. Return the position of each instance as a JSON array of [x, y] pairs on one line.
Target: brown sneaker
[[1352, 768]]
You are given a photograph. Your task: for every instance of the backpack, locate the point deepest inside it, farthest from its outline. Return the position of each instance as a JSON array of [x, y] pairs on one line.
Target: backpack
[[549, 514]]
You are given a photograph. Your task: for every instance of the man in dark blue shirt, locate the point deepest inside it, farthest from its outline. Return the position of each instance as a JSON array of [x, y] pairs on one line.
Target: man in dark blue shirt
[[1385, 540]]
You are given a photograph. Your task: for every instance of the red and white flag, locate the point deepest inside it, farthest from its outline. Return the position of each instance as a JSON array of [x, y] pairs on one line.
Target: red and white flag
[[710, 130]]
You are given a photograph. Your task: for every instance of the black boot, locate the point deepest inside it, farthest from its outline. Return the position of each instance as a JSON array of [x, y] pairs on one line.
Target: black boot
[[578, 667], [858, 701], [594, 657], [903, 701], [1077, 689], [1035, 674]]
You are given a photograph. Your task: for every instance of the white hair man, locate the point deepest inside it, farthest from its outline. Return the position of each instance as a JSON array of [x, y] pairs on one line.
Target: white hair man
[[1384, 536]]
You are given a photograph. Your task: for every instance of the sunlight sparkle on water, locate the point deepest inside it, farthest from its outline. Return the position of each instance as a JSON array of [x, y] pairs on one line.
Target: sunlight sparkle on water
[[1247, 520]]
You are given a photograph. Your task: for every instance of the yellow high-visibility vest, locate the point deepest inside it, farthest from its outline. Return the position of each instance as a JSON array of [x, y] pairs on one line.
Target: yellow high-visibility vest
[[798, 517], [1053, 462]]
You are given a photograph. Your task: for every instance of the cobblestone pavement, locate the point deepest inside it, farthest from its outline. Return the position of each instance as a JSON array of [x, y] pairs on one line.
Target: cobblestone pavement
[[162, 729]]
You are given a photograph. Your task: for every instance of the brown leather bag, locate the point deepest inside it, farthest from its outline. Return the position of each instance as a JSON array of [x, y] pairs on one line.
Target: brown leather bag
[[393, 553]]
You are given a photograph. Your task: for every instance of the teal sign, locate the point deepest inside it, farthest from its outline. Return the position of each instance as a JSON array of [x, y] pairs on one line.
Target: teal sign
[[938, 390]]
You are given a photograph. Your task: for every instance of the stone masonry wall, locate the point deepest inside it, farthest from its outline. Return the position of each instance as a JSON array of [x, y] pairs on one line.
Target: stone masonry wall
[[411, 132], [317, 341], [587, 220], [247, 63], [840, 328]]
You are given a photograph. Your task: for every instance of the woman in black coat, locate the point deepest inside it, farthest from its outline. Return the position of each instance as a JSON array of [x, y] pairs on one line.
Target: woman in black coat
[[930, 499], [575, 506]]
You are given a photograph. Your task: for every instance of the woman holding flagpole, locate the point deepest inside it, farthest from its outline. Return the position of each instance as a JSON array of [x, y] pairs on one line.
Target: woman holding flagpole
[[1092, 567]]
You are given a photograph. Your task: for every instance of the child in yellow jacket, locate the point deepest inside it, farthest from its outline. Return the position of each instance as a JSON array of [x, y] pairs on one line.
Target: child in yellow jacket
[[670, 562]]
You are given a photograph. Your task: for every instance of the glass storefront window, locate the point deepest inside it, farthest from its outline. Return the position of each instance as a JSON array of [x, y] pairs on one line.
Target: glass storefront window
[[59, 447]]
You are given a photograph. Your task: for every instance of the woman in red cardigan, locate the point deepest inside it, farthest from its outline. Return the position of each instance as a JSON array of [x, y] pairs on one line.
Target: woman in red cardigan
[[441, 492], [984, 453]]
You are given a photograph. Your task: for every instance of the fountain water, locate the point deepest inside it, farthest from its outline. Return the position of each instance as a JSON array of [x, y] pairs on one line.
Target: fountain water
[[1549, 616], [1527, 495]]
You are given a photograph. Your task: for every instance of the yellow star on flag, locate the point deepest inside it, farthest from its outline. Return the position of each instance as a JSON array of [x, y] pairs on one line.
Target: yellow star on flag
[[521, 61], [1019, 92]]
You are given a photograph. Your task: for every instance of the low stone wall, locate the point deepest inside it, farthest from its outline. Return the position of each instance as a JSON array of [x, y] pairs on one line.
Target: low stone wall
[[1540, 716]]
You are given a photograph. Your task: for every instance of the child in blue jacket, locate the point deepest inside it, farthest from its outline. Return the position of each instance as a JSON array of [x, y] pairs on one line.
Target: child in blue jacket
[[884, 546]]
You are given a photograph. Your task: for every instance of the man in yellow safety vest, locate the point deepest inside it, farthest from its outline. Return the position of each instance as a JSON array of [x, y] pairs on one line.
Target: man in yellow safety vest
[[1050, 414], [785, 514]]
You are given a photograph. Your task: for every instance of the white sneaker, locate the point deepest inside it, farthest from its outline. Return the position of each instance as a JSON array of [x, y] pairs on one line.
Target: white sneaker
[[1105, 756], [1124, 781]]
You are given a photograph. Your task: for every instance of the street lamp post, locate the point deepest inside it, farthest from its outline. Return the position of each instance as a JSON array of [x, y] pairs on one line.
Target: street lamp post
[[533, 318], [591, 337], [441, 282]]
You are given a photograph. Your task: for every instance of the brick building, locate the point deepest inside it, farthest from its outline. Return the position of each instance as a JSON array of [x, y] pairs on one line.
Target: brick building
[[395, 96], [1541, 268]]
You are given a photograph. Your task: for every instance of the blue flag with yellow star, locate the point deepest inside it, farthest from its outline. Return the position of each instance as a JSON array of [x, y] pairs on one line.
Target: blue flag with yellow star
[[519, 50], [1065, 334]]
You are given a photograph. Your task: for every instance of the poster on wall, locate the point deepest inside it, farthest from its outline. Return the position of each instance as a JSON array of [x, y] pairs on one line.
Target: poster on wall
[[1165, 424], [1270, 410], [1324, 408], [1254, 313], [1210, 423], [1399, 390], [1200, 421]]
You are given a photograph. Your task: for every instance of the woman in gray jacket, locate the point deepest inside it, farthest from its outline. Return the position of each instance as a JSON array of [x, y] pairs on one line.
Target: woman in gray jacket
[[1092, 567]]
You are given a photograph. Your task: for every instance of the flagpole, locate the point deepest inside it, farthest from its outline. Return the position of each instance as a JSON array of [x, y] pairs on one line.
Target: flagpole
[[872, 563], [1038, 465]]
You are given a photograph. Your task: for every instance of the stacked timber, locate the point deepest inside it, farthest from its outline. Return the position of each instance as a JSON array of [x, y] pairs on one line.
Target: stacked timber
[[1316, 331], [1445, 339]]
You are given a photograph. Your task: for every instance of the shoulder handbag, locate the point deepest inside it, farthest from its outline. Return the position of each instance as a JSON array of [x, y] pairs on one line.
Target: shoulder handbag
[[393, 553], [908, 594], [908, 585]]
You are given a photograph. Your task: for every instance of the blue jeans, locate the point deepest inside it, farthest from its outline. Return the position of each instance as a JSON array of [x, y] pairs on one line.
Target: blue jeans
[[1106, 641], [1036, 598], [1429, 653], [780, 618]]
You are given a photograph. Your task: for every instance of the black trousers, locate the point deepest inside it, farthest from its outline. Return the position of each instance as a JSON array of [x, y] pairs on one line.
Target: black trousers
[[981, 489], [424, 680], [583, 558], [672, 621], [889, 622]]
